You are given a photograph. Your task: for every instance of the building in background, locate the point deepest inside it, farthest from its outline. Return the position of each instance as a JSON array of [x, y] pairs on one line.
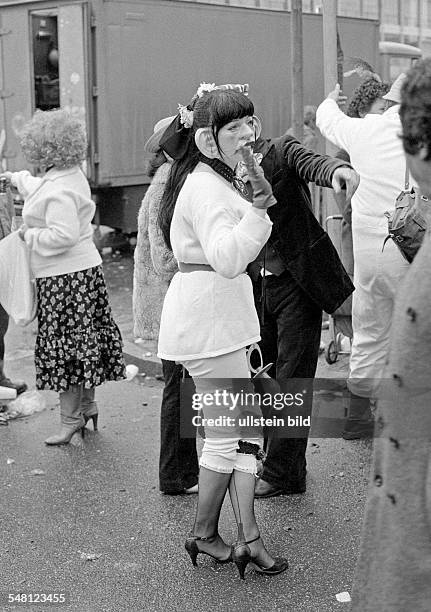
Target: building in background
[[98, 59], [404, 21]]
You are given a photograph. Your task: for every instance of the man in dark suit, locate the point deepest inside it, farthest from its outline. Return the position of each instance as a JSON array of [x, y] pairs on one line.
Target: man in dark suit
[[298, 276]]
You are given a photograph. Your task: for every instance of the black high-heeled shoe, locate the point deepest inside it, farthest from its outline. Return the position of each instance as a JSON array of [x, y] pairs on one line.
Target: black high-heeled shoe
[[193, 549], [241, 556], [92, 417]]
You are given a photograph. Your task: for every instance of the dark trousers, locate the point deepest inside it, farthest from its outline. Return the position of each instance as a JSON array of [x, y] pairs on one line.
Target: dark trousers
[[4, 322], [290, 333], [178, 463]]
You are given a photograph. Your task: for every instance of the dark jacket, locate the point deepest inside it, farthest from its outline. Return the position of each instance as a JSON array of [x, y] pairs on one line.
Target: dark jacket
[[297, 237], [6, 213]]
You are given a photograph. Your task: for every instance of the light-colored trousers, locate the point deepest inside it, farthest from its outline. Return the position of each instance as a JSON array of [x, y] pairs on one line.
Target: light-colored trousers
[[377, 276]]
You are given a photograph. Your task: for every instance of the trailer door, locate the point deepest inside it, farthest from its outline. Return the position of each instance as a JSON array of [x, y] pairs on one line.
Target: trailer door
[[59, 58], [73, 62], [43, 65]]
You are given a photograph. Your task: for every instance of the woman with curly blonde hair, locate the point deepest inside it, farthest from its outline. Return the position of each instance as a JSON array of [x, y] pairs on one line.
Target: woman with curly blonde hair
[[78, 345]]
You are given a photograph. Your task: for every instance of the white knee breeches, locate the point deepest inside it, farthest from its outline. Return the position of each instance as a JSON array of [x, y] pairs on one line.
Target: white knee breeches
[[220, 450]]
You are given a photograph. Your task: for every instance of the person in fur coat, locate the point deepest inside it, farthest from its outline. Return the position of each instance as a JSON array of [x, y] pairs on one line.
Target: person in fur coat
[[155, 265]]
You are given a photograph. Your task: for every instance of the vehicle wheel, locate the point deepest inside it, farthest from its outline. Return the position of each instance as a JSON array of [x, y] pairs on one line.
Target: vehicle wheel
[[331, 353]]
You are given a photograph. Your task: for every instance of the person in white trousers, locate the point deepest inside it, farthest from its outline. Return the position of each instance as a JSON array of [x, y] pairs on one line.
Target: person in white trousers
[[376, 153]]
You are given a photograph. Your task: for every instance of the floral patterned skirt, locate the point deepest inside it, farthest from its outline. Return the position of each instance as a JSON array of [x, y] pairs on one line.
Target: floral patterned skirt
[[78, 341]]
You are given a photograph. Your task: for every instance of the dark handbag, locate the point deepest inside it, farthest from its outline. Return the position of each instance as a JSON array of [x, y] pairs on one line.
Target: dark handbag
[[406, 225]]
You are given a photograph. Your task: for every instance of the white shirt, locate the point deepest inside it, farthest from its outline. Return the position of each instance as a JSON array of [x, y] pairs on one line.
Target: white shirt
[[206, 313], [376, 153]]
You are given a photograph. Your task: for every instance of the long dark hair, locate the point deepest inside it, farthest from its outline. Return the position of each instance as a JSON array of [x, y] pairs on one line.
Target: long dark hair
[[214, 109]]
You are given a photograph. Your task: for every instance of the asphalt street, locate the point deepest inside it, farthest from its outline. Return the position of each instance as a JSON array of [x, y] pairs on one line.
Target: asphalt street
[[88, 520]]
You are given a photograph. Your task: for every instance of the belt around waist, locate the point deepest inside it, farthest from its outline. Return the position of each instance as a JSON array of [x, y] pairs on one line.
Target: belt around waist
[[194, 267]]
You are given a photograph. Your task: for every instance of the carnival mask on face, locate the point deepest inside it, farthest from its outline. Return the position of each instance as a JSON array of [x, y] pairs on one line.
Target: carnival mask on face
[[176, 137]]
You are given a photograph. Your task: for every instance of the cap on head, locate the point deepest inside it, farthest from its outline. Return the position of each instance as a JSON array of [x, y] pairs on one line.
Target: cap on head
[[153, 143], [394, 94]]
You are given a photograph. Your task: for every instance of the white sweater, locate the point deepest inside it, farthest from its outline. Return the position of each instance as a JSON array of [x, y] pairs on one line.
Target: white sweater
[[212, 313], [58, 211]]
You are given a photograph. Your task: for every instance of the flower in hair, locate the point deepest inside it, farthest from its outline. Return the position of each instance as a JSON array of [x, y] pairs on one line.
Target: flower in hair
[[186, 116], [235, 87], [204, 87]]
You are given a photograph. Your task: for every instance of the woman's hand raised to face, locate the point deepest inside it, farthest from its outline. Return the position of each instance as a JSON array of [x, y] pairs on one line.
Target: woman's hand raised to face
[[262, 191]]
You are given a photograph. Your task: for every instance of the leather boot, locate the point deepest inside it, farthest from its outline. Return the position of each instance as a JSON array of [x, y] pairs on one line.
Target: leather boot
[[89, 406], [7, 393], [360, 421], [18, 385], [70, 416]]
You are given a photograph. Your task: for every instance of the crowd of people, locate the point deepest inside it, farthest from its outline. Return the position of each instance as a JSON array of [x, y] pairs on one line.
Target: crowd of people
[[230, 254]]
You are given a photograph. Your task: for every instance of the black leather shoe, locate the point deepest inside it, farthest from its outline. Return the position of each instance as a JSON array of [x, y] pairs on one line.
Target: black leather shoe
[[280, 565], [241, 556], [263, 490], [193, 549]]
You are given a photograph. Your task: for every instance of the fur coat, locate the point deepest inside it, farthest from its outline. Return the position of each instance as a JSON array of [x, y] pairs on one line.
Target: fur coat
[[155, 264]]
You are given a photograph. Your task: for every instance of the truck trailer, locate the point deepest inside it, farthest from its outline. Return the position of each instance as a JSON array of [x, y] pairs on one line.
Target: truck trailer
[[121, 65]]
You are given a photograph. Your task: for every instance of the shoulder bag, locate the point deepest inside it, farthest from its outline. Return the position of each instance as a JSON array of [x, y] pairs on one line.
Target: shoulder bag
[[406, 225]]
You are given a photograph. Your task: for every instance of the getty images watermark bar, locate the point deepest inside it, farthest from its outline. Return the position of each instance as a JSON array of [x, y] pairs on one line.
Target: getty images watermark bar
[[299, 408]]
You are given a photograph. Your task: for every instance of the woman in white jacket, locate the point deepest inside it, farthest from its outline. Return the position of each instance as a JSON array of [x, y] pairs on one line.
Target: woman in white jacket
[[78, 345], [208, 317]]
